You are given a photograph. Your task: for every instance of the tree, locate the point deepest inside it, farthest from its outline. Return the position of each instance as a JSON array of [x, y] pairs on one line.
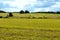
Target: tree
[[21, 12], [26, 11], [10, 14]]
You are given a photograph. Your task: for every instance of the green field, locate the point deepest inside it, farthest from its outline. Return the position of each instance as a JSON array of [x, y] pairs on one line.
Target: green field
[[16, 28]]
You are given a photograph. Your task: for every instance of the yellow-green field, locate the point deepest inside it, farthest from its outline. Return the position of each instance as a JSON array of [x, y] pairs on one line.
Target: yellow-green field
[[30, 23], [16, 28]]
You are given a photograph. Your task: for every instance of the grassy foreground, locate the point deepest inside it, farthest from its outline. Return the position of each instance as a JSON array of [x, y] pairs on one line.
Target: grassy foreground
[[29, 29]]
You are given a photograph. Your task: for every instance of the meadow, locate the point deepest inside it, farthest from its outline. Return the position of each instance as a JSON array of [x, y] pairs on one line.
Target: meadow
[[30, 27]]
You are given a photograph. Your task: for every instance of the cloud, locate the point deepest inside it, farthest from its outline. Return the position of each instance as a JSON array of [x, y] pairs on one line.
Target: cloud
[[17, 4], [55, 7], [31, 5]]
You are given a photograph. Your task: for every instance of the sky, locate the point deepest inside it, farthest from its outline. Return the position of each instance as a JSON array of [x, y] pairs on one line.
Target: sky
[[30, 5]]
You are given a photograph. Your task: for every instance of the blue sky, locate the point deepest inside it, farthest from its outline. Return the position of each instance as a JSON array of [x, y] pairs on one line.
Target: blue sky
[[31, 5]]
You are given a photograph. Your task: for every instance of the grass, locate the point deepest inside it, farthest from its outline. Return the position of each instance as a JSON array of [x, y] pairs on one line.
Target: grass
[[28, 34], [30, 23], [15, 28]]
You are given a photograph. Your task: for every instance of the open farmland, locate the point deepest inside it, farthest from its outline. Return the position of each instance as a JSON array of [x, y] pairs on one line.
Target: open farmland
[[16, 28]]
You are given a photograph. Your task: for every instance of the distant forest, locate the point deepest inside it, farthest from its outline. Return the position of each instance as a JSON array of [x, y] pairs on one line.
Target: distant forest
[[1, 11], [26, 11]]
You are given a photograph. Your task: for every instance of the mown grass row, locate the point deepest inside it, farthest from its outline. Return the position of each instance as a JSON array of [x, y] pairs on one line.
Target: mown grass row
[[30, 23], [32, 16]]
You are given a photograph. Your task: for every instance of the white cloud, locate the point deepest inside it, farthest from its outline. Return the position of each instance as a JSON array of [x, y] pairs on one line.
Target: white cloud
[[41, 5], [41, 9], [55, 7], [19, 4]]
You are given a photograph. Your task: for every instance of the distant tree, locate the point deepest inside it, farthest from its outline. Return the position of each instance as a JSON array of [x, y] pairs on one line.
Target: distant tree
[[26, 11], [10, 14], [51, 12], [2, 11], [58, 12], [21, 12]]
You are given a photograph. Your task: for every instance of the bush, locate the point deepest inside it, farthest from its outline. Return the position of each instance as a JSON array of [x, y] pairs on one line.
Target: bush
[[33, 17], [7, 16], [10, 14], [39, 17], [1, 17], [44, 17]]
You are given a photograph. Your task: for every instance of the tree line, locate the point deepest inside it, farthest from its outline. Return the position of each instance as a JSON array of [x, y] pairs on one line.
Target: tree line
[[22, 12], [26, 11]]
